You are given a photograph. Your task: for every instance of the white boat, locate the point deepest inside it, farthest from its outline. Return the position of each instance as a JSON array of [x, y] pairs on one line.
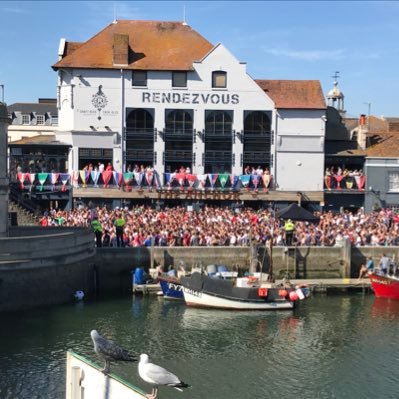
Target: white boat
[[238, 294]]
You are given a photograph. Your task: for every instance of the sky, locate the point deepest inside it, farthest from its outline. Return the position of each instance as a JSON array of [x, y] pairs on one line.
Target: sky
[[276, 39]]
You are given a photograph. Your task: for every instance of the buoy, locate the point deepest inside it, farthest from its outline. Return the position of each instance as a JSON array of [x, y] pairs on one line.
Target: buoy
[[79, 295], [262, 292], [293, 296], [282, 293]]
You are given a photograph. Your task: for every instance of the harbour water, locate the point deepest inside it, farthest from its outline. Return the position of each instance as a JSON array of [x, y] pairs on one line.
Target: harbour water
[[328, 347]]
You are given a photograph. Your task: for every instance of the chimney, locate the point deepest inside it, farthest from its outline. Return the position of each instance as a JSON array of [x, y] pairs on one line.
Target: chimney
[[362, 132], [120, 54]]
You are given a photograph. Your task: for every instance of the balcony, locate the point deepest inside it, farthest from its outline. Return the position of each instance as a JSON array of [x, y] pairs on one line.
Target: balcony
[[178, 156], [178, 134], [139, 155], [139, 134], [255, 135], [255, 157], [219, 135], [217, 157]]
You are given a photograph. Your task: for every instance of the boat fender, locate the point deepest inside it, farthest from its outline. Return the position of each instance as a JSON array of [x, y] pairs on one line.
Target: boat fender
[[282, 293], [293, 296], [262, 292], [300, 293]]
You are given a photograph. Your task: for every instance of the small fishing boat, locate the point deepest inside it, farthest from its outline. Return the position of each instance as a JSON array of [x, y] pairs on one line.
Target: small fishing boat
[[384, 285], [246, 293], [171, 287]]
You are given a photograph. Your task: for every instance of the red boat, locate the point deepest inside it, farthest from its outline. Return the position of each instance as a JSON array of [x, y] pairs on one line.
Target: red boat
[[385, 286]]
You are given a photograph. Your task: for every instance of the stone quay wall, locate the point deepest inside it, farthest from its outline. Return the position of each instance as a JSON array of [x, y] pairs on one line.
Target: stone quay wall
[[41, 267]]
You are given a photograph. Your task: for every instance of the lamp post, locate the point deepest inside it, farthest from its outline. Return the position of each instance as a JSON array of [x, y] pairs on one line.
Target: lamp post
[[368, 114]]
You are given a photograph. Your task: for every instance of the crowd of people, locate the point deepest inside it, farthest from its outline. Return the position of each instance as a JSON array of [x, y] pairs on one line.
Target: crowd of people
[[336, 177], [222, 226]]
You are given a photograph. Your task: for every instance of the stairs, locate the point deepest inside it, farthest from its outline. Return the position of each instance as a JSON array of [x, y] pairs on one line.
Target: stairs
[[24, 217]]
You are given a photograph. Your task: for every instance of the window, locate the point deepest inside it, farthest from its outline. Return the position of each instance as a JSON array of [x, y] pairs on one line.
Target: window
[[139, 78], [219, 79], [40, 119], [25, 119], [179, 79], [394, 181]]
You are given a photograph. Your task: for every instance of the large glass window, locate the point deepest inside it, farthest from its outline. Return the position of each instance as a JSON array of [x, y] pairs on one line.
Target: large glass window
[[26, 119], [139, 78], [218, 122], [179, 79], [394, 181], [219, 79], [40, 119], [257, 121], [179, 121], [140, 119]]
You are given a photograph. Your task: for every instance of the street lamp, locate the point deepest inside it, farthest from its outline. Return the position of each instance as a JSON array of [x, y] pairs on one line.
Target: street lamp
[[368, 114]]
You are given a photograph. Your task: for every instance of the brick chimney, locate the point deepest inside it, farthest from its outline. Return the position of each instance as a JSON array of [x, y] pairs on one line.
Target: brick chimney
[[120, 49], [362, 132]]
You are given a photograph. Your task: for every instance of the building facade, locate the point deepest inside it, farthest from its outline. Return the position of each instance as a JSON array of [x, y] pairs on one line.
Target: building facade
[[158, 94]]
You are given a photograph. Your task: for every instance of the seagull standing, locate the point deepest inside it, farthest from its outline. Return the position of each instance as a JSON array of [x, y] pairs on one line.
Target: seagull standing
[[157, 375], [108, 351]]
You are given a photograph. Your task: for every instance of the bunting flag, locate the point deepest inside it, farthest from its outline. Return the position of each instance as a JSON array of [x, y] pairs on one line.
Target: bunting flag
[[245, 180], [213, 178], [95, 175], [42, 177], [128, 178], [149, 176], [21, 179], [84, 176], [180, 177], [202, 181], [362, 181], [223, 178], [54, 179], [64, 179], [168, 177], [233, 181], [191, 180], [266, 181], [75, 178], [255, 181], [118, 177], [106, 175], [138, 177], [31, 177]]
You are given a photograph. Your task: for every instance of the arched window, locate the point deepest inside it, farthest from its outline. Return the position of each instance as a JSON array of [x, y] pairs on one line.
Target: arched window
[[140, 119], [179, 121], [219, 79], [257, 121], [218, 122]]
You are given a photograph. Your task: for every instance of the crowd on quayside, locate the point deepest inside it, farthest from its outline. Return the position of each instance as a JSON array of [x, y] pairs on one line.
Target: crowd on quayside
[[222, 226]]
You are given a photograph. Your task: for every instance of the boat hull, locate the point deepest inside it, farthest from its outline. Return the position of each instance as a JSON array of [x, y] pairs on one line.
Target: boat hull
[[204, 300], [385, 286], [171, 289]]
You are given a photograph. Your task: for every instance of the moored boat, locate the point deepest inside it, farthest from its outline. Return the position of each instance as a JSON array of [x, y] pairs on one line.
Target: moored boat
[[215, 292], [385, 286], [171, 288]]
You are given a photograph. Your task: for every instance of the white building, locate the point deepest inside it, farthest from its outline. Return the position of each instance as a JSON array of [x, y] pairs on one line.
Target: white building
[[158, 93]]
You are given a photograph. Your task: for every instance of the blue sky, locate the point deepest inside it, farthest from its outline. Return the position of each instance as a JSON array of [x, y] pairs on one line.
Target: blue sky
[[277, 40]]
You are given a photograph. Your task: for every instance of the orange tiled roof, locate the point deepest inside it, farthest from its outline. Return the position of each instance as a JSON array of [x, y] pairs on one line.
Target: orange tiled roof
[[299, 94], [153, 45], [384, 144]]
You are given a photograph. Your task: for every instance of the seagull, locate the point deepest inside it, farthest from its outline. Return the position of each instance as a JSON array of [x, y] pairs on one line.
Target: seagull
[[157, 375], [108, 351]]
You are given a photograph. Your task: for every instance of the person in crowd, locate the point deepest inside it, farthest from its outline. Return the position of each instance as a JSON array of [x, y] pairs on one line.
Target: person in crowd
[[289, 228], [119, 227], [98, 231]]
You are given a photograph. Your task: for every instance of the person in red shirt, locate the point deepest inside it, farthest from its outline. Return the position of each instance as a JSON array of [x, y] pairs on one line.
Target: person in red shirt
[[109, 167]]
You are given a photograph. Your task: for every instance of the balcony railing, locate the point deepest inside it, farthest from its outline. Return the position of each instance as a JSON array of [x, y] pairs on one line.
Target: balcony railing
[[226, 134], [142, 155], [253, 135], [218, 157], [178, 134], [255, 157], [178, 156], [139, 134]]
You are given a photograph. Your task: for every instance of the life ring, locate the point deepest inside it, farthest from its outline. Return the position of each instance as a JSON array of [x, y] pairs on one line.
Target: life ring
[[262, 292]]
